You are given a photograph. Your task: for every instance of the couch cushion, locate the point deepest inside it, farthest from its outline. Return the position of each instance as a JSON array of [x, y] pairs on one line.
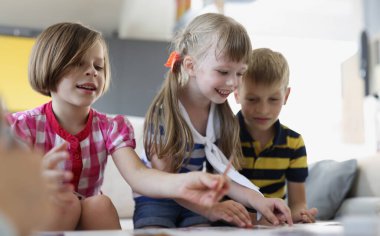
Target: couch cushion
[[328, 184], [368, 206], [366, 184]]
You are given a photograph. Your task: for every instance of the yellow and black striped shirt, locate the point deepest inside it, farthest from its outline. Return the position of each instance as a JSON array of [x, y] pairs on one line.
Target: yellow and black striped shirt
[[283, 159]]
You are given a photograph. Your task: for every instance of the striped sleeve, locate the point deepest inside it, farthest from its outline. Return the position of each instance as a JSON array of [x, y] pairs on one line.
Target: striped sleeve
[[297, 171]]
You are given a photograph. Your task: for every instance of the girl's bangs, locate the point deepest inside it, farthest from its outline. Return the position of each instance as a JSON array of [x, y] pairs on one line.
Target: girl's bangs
[[235, 44]]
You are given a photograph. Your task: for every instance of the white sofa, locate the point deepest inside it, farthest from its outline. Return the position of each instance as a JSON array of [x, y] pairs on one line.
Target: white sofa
[[115, 186], [364, 197]]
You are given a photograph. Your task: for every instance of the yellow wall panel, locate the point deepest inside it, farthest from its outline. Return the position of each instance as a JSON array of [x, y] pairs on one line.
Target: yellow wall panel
[[15, 89]]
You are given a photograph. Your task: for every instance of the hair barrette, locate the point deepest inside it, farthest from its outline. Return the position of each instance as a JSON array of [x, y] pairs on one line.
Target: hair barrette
[[173, 58]]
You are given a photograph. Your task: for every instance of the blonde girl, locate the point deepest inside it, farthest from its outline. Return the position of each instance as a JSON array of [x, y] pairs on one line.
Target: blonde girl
[[70, 63], [190, 123]]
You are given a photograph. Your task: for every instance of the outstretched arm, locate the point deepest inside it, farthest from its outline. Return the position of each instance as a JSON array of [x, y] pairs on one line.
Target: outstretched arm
[[297, 204], [196, 187]]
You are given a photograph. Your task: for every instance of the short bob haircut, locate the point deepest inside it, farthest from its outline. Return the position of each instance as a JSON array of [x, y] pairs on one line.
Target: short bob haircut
[[59, 47]]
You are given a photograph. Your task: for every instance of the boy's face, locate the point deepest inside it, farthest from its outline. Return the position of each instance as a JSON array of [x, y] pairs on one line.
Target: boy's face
[[261, 104]]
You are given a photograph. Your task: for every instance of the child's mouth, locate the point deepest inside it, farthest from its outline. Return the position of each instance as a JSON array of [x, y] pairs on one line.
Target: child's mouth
[[87, 87], [223, 92]]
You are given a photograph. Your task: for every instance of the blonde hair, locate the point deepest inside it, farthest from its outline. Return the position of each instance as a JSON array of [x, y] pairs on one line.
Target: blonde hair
[[267, 67], [56, 49], [230, 40]]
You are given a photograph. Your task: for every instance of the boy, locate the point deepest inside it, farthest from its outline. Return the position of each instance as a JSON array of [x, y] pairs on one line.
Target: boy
[[273, 154]]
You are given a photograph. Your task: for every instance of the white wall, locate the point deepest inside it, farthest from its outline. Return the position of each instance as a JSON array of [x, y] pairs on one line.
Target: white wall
[[316, 37]]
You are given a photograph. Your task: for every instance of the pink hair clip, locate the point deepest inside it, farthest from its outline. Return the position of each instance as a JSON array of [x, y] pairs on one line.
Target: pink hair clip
[[173, 58]]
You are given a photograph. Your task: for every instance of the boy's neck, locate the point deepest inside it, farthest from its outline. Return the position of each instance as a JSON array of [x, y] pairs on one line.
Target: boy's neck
[[262, 136]]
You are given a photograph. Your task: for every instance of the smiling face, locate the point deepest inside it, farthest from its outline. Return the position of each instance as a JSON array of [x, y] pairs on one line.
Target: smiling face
[[213, 79], [82, 84], [261, 104]]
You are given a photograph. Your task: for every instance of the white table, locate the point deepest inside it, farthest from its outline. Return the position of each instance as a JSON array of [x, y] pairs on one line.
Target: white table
[[321, 229]]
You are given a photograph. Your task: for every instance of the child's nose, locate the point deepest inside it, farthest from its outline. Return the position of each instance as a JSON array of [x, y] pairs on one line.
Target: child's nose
[[91, 71], [262, 108], [233, 81]]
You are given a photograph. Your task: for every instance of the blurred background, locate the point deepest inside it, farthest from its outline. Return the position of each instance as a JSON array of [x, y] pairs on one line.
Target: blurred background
[[320, 39]]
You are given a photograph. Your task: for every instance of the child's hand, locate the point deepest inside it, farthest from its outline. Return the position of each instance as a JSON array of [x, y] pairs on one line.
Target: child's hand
[[57, 180], [231, 212], [202, 188], [275, 210], [304, 215]]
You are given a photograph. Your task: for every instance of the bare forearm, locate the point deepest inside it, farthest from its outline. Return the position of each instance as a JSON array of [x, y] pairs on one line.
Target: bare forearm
[[145, 181], [295, 207], [153, 183], [296, 196], [243, 195]]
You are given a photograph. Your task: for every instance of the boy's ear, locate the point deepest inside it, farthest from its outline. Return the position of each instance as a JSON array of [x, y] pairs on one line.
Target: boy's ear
[[188, 64], [236, 94], [287, 92]]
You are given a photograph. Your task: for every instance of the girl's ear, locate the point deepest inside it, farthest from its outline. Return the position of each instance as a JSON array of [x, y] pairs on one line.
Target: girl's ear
[[188, 64]]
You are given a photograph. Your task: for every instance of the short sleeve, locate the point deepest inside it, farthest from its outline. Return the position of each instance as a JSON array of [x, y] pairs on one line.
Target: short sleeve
[[22, 127], [119, 134], [297, 171]]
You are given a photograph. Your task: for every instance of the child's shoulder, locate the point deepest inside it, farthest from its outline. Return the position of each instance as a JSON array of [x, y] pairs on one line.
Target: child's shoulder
[[292, 138], [289, 132], [105, 117], [27, 115], [110, 119]]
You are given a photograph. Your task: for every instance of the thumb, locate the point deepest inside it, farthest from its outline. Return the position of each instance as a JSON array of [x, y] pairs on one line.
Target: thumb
[[61, 147], [209, 180], [55, 156]]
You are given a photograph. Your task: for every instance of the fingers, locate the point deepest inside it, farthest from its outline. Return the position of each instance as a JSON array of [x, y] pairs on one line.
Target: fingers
[[235, 213], [203, 188], [223, 187], [283, 208], [60, 147], [270, 216], [308, 215], [55, 156], [57, 179], [63, 199], [313, 211], [217, 184], [231, 212], [277, 212], [240, 215]]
